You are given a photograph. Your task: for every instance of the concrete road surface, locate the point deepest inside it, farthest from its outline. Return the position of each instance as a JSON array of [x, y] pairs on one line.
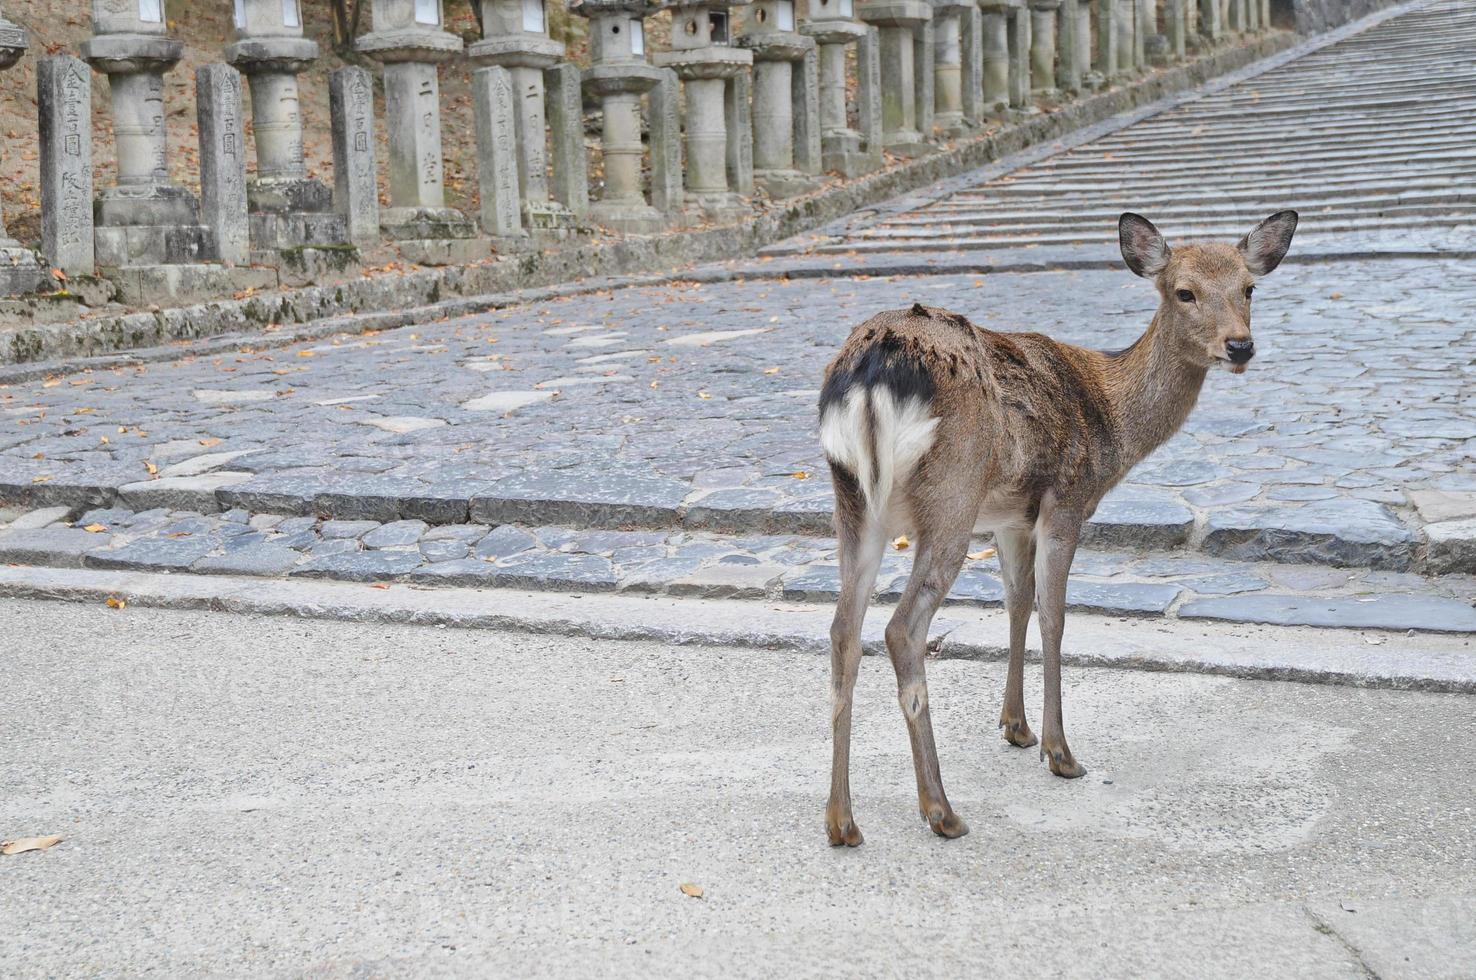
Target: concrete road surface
[[266, 797]]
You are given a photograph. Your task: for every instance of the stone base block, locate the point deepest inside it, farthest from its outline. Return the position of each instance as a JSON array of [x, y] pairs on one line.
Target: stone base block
[[632, 219], [280, 230], [116, 246], [288, 194], [310, 265], [1158, 50], [444, 251], [150, 204], [20, 272], [723, 207], [1093, 81], [549, 219], [178, 285], [911, 148], [419, 224], [780, 184]]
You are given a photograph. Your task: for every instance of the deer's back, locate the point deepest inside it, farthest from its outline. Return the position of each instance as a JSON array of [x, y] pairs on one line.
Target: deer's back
[[1035, 411]]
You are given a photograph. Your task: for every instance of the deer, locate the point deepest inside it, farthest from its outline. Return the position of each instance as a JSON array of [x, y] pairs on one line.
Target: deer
[[938, 428]]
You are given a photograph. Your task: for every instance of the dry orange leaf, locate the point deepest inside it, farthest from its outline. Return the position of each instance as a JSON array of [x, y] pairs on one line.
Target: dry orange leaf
[[212, 441], [22, 844], [690, 890], [981, 555], [801, 474], [901, 544], [149, 465], [41, 479], [704, 396], [771, 370], [96, 528], [115, 603], [306, 353], [380, 585]]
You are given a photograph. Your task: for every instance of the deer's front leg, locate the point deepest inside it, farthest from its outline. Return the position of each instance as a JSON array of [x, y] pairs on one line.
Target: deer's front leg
[[1016, 548], [1056, 536]]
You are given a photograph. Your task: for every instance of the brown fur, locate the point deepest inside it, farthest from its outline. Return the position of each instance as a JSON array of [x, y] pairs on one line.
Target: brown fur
[[1031, 433]]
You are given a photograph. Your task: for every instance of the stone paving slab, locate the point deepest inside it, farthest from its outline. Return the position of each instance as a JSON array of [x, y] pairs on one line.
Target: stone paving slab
[[693, 405], [707, 565]]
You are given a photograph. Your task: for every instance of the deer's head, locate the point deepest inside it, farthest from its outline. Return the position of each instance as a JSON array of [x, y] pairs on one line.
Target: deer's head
[[1205, 290]]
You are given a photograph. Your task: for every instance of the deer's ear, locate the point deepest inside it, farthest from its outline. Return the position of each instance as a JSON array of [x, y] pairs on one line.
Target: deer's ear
[[1266, 245], [1143, 248]]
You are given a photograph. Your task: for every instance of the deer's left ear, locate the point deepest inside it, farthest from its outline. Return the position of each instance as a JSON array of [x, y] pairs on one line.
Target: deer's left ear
[[1266, 245]]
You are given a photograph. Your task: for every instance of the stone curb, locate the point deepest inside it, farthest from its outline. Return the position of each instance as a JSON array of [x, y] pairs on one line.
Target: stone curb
[[1422, 663], [425, 288]]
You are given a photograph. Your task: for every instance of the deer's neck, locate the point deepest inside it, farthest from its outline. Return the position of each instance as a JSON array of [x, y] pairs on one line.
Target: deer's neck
[[1153, 388]]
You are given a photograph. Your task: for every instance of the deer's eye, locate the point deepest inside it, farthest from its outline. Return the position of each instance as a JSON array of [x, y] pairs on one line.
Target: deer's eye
[[1185, 296], [1249, 290]]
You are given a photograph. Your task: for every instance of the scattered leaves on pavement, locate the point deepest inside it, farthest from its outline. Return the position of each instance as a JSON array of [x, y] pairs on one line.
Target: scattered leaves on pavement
[[22, 844]]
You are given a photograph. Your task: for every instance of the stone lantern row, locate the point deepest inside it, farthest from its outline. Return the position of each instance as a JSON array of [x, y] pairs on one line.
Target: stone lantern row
[[724, 111]]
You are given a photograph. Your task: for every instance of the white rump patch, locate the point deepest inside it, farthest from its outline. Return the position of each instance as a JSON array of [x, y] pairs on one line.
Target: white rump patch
[[904, 433]]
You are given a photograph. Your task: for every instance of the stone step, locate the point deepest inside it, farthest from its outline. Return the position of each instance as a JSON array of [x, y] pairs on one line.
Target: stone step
[[794, 568]]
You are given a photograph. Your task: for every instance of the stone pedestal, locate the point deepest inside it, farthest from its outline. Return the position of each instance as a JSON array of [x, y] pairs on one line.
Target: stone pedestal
[[144, 219], [619, 76], [906, 72], [1019, 34], [948, 66], [355, 192], [995, 53], [20, 271], [223, 197], [1043, 48], [779, 98], [711, 71], [516, 38], [409, 42], [833, 29], [288, 209]]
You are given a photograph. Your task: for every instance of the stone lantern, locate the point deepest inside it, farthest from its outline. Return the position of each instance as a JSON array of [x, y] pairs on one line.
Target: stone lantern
[[715, 82], [19, 270], [144, 219], [785, 100], [906, 72], [619, 75], [288, 208], [833, 25], [409, 42], [516, 38]]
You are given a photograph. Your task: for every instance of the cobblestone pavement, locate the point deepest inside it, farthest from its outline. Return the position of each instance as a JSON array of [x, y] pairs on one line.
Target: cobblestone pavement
[[1370, 135], [684, 414]]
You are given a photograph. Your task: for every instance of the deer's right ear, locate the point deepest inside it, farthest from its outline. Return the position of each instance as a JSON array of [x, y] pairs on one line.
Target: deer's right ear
[[1143, 248]]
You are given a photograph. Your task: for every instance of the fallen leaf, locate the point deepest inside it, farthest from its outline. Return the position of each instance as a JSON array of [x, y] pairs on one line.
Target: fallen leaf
[[149, 465], [800, 474], [115, 603], [981, 555], [22, 844], [212, 441], [41, 479], [380, 585], [704, 396], [771, 370], [306, 353], [688, 889], [901, 544], [96, 528]]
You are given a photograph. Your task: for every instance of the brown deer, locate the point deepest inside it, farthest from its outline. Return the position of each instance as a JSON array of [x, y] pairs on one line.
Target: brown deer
[[935, 427]]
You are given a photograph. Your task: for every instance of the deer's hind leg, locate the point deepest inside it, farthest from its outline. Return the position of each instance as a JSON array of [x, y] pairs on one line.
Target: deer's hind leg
[[861, 541], [943, 539], [1016, 548]]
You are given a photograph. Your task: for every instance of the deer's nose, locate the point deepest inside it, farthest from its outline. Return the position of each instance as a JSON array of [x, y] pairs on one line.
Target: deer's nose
[[1240, 351]]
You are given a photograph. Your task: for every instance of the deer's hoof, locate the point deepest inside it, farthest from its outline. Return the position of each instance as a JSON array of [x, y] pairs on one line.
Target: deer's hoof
[[1062, 763], [1017, 733], [947, 824], [843, 833]]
